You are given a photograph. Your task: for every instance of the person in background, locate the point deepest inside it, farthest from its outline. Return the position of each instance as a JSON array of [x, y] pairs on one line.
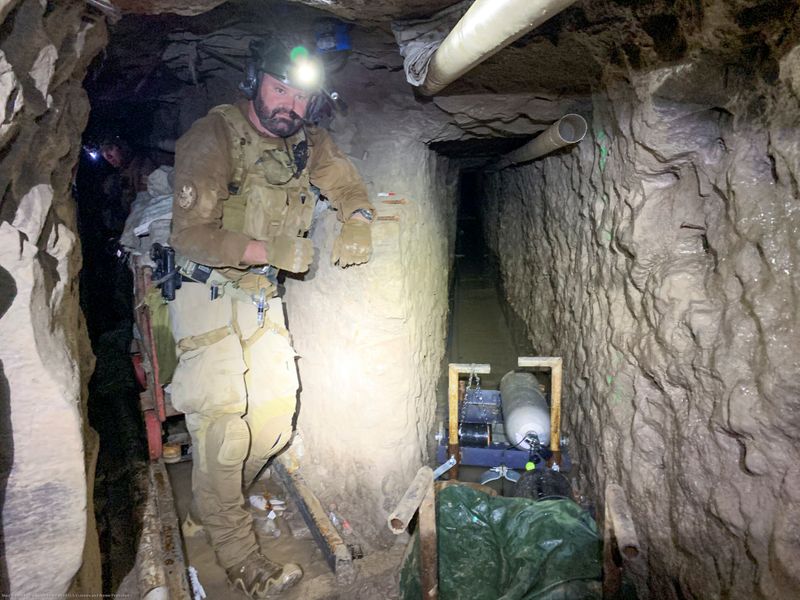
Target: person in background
[[130, 177]]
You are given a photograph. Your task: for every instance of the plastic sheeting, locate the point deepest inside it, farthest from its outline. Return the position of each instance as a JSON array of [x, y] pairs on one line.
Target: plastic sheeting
[[419, 38], [151, 214], [495, 548]]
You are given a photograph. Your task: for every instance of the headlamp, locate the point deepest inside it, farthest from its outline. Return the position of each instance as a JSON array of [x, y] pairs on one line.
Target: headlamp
[[306, 73], [92, 152]]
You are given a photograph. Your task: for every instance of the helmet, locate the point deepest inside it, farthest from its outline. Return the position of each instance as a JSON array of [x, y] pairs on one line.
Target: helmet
[[296, 68]]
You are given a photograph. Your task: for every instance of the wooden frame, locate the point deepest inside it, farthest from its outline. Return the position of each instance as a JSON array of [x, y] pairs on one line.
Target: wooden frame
[[554, 363], [454, 370]]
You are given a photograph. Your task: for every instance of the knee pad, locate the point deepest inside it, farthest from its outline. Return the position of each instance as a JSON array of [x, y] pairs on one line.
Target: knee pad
[[233, 440]]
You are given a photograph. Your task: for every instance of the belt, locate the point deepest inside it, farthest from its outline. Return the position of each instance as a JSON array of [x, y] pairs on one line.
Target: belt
[[219, 283]]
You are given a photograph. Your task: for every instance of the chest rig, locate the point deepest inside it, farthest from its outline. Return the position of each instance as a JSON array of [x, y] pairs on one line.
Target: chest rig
[[269, 189]]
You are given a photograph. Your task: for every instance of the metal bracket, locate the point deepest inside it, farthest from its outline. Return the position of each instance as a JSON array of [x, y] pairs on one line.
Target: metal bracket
[[444, 467], [501, 472]]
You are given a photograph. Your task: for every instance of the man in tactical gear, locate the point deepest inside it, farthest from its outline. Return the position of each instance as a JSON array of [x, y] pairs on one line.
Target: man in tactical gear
[[241, 211]]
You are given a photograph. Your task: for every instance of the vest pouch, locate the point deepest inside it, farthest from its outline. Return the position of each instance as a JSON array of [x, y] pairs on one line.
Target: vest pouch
[[265, 211], [276, 166], [300, 213], [233, 213]]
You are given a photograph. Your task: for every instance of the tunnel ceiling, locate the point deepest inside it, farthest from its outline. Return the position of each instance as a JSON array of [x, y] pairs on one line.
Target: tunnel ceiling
[[360, 10], [151, 57], [567, 55]]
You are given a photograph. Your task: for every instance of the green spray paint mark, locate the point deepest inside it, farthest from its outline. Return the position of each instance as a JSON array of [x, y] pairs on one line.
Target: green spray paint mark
[[616, 397], [607, 236], [603, 150], [620, 391]]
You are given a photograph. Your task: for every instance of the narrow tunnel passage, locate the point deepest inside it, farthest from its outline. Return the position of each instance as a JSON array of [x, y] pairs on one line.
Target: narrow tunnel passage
[[481, 328]]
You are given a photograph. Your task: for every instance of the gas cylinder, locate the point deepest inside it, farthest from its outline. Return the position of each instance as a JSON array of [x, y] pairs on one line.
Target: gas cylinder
[[525, 410]]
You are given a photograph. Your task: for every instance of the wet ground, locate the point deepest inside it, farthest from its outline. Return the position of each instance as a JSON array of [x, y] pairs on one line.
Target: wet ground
[[479, 331]]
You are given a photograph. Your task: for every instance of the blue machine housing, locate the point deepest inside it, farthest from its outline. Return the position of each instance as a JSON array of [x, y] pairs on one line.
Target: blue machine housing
[[485, 407]]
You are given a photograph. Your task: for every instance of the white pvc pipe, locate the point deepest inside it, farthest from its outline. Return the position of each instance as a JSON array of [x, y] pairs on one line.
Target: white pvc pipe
[[486, 28], [569, 129]]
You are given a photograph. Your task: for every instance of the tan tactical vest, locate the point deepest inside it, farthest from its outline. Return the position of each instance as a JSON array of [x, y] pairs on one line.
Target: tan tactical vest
[[267, 195]]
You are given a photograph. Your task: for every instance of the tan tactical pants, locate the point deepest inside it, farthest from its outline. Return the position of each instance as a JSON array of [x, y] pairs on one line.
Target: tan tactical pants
[[237, 384]]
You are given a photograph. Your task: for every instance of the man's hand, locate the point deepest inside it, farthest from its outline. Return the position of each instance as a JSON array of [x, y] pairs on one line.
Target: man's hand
[[354, 244], [290, 253]]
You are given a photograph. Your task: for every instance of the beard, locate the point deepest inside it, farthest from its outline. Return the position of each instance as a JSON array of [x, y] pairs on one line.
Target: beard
[[278, 121]]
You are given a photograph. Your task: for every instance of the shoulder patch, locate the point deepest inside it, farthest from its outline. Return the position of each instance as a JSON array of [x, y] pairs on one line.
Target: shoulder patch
[[187, 197]]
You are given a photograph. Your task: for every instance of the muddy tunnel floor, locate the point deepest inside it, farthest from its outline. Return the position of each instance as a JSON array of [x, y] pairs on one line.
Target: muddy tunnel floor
[[480, 323]]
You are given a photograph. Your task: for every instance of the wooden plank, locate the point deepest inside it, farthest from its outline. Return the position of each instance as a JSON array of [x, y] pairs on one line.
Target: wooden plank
[[328, 539], [555, 407], [160, 563], [429, 558], [612, 573]]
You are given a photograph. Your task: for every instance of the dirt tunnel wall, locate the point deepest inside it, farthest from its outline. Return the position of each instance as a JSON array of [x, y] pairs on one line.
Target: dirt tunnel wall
[[659, 258], [371, 339]]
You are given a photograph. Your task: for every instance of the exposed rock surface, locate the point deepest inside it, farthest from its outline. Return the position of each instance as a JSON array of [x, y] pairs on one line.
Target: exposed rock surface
[[179, 7], [360, 10], [660, 259], [47, 448]]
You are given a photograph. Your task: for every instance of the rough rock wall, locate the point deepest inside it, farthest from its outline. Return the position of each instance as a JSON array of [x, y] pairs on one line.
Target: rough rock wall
[[660, 259], [371, 338], [47, 450]]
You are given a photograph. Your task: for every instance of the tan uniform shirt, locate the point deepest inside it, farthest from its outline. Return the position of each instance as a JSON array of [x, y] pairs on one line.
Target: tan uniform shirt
[[203, 170]]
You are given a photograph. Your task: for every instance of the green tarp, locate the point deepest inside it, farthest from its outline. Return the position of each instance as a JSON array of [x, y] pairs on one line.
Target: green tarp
[[495, 548]]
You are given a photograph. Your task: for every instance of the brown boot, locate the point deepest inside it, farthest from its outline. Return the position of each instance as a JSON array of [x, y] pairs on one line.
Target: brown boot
[[259, 577]]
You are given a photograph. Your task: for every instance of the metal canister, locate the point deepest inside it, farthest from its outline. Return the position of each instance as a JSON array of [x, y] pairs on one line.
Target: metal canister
[[525, 410]]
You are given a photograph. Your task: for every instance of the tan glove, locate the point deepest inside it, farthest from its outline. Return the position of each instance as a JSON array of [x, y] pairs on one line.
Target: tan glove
[[290, 253], [354, 244]]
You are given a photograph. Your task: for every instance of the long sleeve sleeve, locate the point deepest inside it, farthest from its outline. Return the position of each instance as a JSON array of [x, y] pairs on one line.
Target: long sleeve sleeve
[[203, 169], [336, 177]]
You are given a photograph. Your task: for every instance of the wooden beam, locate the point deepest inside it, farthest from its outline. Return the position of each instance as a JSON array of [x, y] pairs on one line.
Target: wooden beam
[[429, 558], [328, 539]]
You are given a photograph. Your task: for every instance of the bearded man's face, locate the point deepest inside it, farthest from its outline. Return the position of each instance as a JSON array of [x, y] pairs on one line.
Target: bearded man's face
[[280, 108]]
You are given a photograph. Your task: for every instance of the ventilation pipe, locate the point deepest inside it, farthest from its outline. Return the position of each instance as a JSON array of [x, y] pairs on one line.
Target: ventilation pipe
[[486, 28], [569, 129]]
